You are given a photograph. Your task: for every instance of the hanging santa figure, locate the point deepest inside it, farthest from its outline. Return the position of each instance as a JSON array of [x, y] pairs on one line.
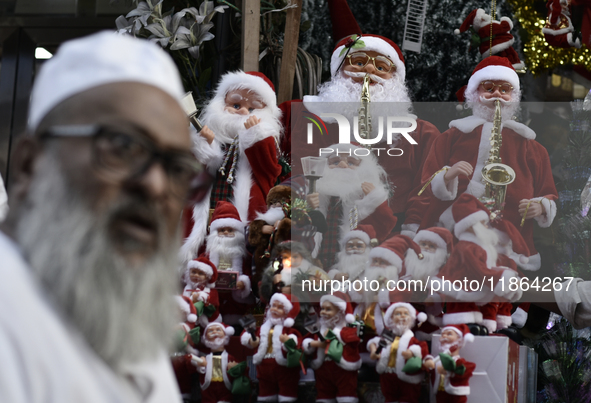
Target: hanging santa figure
[[199, 277], [401, 360], [335, 351], [559, 31], [502, 43], [215, 382], [449, 380], [226, 249], [238, 145], [275, 342]]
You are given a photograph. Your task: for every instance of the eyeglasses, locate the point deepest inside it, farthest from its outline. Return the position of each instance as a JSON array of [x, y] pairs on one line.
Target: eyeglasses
[[489, 86], [119, 156], [360, 60]]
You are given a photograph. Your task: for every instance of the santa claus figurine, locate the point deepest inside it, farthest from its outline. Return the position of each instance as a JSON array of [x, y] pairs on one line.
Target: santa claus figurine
[[200, 276], [214, 379], [226, 249], [559, 31], [401, 360], [335, 351], [274, 342], [455, 162], [452, 373], [502, 43], [238, 145], [353, 258]]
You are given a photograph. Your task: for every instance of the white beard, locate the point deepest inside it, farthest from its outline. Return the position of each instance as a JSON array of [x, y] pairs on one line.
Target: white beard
[[353, 265], [342, 95], [445, 347], [345, 183], [272, 320], [338, 320], [271, 215], [228, 125], [484, 108], [216, 343], [226, 248], [124, 311], [400, 328], [381, 274], [488, 241], [428, 266]]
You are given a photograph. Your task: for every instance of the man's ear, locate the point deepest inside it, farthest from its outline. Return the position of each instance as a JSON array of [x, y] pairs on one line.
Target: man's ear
[[22, 166]]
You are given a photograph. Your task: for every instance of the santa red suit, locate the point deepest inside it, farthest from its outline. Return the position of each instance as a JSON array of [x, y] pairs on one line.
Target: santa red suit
[[244, 163], [397, 385], [472, 259], [502, 41], [215, 382], [559, 28], [468, 139], [453, 387], [204, 293], [276, 380], [336, 374]]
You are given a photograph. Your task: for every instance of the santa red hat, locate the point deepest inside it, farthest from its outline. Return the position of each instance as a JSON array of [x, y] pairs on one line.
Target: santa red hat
[[463, 331], [226, 215], [251, 80], [228, 330], [291, 306], [186, 306], [469, 21], [342, 302], [343, 21], [493, 68], [365, 232], [467, 211], [394, 249], [438, 235], [205, 265], [376, 43], [420, 317]]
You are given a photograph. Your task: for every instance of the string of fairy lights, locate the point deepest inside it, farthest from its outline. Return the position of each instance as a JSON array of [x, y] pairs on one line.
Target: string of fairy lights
[[540, 57]]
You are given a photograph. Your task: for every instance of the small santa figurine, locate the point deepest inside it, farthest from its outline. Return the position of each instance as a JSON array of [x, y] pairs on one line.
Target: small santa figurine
[[400, 362], [436, 244], [559, 31], [200, 276], [226, 249], [335, 350], [238, 145], [452, 373], [274, 341], [479, 23], [214, 379]]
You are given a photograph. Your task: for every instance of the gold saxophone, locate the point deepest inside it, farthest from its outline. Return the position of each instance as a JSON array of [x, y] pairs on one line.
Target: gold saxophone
[[364, 115], [496, 176]]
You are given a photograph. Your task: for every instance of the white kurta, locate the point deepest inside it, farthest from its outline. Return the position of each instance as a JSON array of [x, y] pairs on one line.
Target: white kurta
[[42, 359]]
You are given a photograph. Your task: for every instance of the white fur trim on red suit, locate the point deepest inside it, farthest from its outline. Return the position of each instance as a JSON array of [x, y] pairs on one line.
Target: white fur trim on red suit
[[403, 345], [368, 204], [444, 288], [503, 321], [288, 322], [372, 44], [271, 216], [521, 129], [457, 318], [519, 317], [257, 358], [193, 242], [245, 339], [545, 220], [498, 47], [440, 190], [502, 290], [409, 230], [491, 325], [308, 349], [209, 370], [242, 185], [210, 155], [493, 72]]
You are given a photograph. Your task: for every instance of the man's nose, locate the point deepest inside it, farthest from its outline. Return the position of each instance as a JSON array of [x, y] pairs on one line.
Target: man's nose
[[242, 111], [154, 182], [342, 164], [369, 68]]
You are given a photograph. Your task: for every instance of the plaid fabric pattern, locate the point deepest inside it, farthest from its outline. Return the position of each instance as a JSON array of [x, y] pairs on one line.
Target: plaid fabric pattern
[[330, 240], [221, 190], [304, 234]]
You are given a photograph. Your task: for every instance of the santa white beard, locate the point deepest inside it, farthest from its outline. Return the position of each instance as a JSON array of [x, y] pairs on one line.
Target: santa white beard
[[354, 265], [420, 269], [446, 347], [380, 274], [216, 343], [342, 95], [124, 311], [345, 183], [226, 247], [338, 320], [273, 321], [227, 126], [488, 241], [399, 328], [485, 108], [272, 215]]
